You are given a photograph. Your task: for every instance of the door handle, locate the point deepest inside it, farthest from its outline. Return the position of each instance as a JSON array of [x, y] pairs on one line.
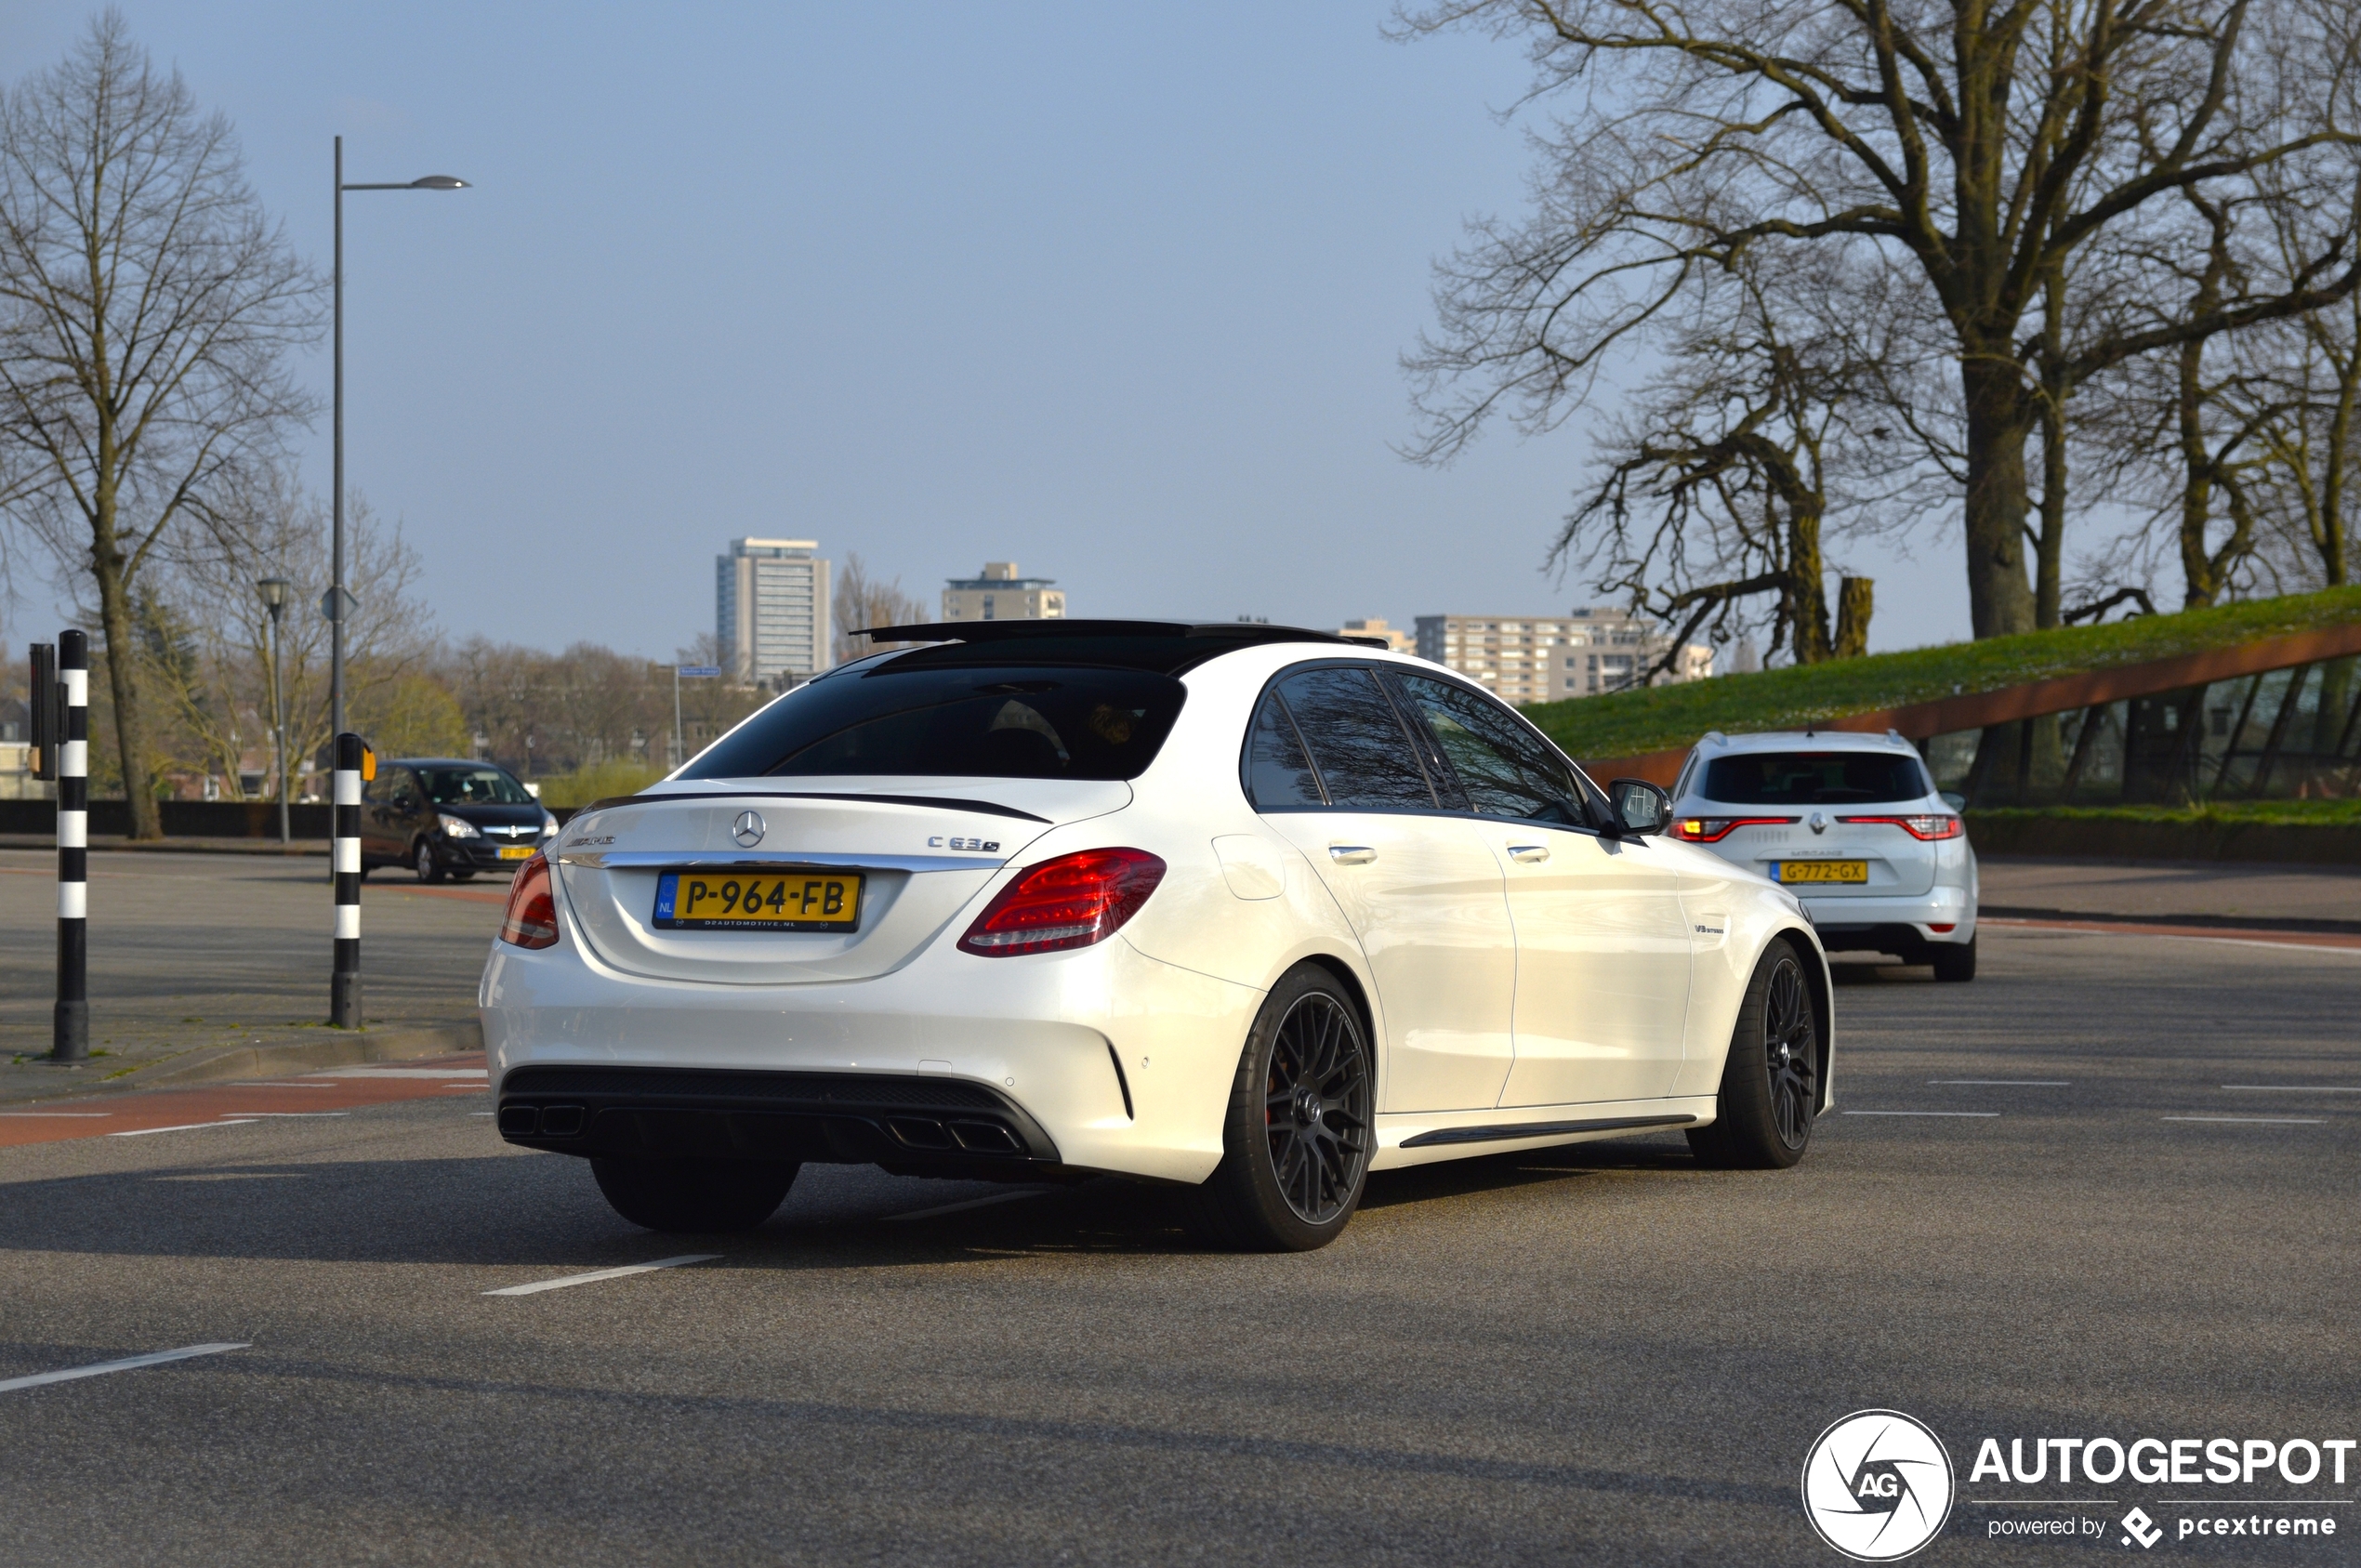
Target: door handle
[[1352, 854], [1528, 854]]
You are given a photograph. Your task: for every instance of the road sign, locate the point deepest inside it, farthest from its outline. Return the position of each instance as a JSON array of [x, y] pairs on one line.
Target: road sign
[[692, 671], [328, 604]]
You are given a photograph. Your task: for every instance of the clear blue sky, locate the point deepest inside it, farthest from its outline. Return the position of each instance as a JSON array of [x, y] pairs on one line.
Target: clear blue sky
[[1114, 292]]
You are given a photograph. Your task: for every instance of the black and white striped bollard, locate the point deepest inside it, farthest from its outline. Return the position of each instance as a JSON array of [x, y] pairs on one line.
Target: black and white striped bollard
[[344, 993], [69, 1026]]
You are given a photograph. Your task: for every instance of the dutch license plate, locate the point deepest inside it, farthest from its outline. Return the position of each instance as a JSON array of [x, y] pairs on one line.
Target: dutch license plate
[[516, 852], [1822, 871], [758, 901]]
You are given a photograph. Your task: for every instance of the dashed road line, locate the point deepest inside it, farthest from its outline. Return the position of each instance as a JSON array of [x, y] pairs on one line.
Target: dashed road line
[[1978, 1113], [153, 1358], [185, 1127], [595, 1275], [2272, 1121], [2010, 1082], [2298, 1089]]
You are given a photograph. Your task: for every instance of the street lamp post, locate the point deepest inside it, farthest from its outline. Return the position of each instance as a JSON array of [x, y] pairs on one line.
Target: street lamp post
[[338, 603], [274, 596]]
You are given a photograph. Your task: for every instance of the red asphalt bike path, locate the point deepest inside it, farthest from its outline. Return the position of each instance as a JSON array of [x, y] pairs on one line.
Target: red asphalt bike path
[[2203, 933], [188, 1112]]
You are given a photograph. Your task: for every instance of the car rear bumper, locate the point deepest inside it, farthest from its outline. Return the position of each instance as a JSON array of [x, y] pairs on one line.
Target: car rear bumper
[[1101, 1059], [924, 1122]]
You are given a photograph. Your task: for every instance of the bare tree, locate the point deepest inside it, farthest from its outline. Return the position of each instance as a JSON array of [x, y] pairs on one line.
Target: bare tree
[[1982, 146], [1718, 481], [863, 600], [146, 306]]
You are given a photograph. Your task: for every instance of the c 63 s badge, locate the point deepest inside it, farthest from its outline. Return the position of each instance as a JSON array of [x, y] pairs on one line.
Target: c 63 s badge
[[1877, 1486], [981, 846]]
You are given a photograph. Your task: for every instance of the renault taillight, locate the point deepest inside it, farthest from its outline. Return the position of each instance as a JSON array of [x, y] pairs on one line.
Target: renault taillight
[[1070, 902], [1933, 825]]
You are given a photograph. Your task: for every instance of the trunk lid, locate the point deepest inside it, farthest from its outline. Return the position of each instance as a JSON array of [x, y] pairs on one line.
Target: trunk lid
[[924, 848]]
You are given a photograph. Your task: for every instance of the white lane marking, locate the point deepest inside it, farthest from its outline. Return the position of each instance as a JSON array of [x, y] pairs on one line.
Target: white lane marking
[[153, 1358], [270, 1083], [483, 1113], [252, 1113], [406, 1073], [592, 1278], [972, 1202], [2009, 1082], [185, 1127], [1921, 1113], [2275, 1121], [2299, 1088], [68, 1114]]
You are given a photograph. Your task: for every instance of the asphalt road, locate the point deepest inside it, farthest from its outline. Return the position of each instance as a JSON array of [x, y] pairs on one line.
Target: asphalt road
[[1599, 1355]]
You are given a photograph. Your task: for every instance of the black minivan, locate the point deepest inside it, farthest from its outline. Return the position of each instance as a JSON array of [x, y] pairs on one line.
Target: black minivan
[[445, 817]]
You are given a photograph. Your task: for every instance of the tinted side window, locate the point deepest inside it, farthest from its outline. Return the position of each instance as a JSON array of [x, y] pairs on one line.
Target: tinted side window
[[1357, 741], [1506, 772], [1278, 774]]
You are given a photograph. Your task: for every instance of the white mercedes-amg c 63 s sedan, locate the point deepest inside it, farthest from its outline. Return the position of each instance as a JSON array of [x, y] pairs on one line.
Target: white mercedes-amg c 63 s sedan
[[1246, 909]]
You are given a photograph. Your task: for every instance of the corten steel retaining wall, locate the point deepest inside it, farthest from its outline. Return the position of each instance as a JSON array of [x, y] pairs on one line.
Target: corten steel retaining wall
[[2065, 694]]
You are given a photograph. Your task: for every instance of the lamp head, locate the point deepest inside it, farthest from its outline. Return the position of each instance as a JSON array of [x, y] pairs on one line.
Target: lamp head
[[438, 182], [273, 591]]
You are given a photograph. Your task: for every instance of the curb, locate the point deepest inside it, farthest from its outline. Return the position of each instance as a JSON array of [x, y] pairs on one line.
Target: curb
[[174, 846], [299, 1055], [2219, 922]]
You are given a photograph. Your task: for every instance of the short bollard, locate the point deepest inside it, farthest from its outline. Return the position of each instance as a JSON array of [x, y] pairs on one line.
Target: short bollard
[[344, 995], [70, 1022]]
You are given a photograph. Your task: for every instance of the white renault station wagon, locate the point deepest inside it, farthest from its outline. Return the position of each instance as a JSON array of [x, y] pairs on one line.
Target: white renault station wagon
[[1242, 909], [1852, 824]]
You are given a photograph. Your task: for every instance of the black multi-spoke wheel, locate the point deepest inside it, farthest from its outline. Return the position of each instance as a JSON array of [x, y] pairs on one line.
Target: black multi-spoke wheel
[[1315, 1108], [1771, 1080], [1790, 1053], [1299, 1130]]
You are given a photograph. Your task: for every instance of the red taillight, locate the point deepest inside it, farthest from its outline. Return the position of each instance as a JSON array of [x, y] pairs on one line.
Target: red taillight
[[1932, 826], [1070, 902], [531, 920], [1712, 830]]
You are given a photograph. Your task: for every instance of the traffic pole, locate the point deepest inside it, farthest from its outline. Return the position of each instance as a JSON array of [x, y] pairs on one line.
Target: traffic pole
[[344, 993], [70, 1022]]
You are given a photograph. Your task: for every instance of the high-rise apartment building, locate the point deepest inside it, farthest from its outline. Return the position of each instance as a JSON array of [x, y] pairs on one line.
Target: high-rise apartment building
[[771, 610], [1399, 641], [1001, 594], [1543, 659]]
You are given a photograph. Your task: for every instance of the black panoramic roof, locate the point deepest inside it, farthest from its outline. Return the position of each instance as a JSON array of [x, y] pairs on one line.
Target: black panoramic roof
[[1167, 647]]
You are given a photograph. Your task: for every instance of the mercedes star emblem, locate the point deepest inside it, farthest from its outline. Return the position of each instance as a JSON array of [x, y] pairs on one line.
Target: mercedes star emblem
[[747, 829]]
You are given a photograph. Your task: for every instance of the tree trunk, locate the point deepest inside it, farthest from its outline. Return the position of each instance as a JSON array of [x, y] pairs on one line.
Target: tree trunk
[[123, 657], [1855, 598], [1999, 598], [1807, 599], [2050, 543], [2201, 583]]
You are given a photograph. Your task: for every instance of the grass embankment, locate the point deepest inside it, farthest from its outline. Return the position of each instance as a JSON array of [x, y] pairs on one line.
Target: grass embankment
[[1663, 718], [598, 782]]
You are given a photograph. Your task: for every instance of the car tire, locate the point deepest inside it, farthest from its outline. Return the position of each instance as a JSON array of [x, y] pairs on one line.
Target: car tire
[[461, 876], [1954, 961], [429, 869], [697, 1197], [1770, 1080], [1300, 1124]]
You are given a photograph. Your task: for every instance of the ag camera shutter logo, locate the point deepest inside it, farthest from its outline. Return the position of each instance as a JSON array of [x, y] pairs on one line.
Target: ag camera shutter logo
[[1877, 1486]]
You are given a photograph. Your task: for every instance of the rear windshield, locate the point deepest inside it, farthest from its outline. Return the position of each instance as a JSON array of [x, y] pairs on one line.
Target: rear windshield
[[473, 786], [1030, 721], [1814, 778]]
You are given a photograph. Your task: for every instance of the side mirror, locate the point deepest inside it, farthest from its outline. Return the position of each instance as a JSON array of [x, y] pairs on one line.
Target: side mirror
[[534, 790], [1954, 799], [1640, 808]]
